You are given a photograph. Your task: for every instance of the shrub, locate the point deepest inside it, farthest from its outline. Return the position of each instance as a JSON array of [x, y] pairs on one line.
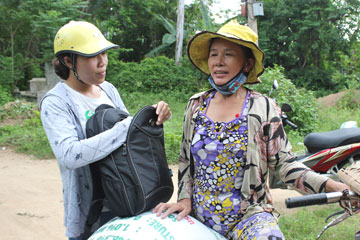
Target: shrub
[[333, 117], [5, 96], [13, 76], [6, 78], [314, 79], [156, 75], [28, 137], [18, 110], [350, 100], [303, 102]]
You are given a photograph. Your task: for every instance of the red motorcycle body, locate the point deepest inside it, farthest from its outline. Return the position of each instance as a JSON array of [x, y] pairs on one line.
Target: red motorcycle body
[[328, 152], [328, 158]]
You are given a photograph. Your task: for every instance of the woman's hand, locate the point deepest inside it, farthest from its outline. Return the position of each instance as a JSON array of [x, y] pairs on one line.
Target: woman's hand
[[183, 207], [334, 186], [163, 112]]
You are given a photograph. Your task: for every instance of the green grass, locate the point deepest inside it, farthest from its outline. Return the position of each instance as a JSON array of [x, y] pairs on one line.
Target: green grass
[[29, 137], [307, 222], [333, 117]]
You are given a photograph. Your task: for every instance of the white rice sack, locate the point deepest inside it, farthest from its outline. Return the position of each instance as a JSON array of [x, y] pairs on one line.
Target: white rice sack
[[150, 227]]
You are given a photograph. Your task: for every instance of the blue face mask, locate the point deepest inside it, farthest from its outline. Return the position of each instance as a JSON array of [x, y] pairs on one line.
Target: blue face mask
[[231, 86]]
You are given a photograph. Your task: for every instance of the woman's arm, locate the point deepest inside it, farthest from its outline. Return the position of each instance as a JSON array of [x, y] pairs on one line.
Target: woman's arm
[[72, 152], [290, 171]]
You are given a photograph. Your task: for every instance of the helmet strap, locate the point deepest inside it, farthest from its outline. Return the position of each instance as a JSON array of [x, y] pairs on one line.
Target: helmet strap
[[73, 59], [61, 60]]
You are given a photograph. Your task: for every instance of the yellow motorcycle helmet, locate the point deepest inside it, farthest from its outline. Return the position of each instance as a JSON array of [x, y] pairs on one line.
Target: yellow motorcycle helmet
[[81, 38]]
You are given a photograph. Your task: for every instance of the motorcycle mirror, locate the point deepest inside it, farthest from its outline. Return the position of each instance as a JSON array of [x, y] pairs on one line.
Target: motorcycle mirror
[[275, 84], [285, 107]]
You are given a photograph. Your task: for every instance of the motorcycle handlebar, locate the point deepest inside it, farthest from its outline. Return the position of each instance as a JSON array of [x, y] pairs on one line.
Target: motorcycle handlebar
[[291, 124], [317, 199]]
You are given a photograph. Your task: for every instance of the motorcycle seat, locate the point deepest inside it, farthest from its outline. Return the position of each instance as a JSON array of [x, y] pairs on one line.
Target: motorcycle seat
[[315, 142]]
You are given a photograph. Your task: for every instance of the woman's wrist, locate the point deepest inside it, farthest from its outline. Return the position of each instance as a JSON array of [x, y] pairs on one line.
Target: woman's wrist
[[333, 186]]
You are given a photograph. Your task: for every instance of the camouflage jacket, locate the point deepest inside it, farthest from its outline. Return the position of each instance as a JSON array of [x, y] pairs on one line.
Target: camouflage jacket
[[268, 150]]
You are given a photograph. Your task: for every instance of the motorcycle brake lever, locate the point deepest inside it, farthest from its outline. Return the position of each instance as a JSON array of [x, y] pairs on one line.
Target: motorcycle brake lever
[[345, 203], [347, 212], [334, 214], [334, 222]]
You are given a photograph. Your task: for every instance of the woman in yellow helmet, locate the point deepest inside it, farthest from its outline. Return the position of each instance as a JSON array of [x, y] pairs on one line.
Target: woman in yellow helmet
[[81, 60], [232, 138]]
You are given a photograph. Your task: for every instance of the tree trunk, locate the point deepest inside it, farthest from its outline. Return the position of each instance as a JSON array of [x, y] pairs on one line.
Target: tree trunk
[[179, 32], [12, 56]]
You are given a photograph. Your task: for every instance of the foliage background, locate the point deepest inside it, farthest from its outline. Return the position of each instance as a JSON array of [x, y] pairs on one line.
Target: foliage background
[[312, 49], [315, 41]]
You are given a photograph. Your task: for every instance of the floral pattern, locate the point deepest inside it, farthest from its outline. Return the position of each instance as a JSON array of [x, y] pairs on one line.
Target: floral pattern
[[269, 137], [267, 149], [219, 151]]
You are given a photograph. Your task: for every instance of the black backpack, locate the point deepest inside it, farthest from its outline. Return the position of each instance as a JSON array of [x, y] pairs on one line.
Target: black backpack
[[135, 177]]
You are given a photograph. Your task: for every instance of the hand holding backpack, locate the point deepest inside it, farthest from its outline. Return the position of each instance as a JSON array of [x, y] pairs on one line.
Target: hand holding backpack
[[135, 177]]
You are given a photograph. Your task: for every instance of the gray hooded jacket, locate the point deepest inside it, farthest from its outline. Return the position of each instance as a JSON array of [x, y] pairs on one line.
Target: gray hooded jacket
[[74, 152]]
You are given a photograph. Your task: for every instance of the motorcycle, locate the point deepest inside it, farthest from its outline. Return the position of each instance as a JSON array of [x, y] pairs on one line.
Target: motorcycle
[[326, 152], [346, 199]]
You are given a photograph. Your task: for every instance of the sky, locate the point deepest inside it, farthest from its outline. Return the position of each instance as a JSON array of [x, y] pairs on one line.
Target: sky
[[233, 5]]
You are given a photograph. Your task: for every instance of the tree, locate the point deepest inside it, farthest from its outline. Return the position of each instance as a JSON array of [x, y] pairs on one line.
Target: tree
[[168, 38], [27, 32], [195, 20], [179, 31], [307, 37], [133, 24]]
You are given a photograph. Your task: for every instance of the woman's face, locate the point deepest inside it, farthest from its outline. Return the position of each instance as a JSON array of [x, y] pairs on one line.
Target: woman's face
[[92, 70], [225, 61]]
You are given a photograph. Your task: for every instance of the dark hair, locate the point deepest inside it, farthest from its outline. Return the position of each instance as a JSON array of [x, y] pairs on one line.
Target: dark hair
[[248, 52], [59, 65]]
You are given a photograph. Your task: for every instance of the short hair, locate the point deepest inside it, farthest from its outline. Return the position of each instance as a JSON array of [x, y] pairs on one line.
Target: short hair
[[59, 65]]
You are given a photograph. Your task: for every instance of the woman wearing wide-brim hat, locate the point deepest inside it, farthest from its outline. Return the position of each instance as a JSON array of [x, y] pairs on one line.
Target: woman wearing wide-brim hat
[[232, 138]]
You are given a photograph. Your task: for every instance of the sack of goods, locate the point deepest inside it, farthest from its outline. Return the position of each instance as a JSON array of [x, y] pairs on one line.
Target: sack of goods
[[147, 226], [135, 177]]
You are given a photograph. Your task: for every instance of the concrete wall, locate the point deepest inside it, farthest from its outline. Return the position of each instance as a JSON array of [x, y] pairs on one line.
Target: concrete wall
[[51, 80], [39, 86]]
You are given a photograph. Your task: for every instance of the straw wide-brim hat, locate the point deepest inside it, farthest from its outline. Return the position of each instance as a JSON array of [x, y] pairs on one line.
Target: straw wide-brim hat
[[198, 47]]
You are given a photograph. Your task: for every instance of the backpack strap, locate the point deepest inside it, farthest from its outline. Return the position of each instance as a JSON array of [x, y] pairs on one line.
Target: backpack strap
[[97, 201], [94, 214]]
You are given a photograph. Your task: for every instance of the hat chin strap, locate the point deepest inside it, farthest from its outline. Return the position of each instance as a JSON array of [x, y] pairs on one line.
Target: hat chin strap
[[231, 86], [74, 68]]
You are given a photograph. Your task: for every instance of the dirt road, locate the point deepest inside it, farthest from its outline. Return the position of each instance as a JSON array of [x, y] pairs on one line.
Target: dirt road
[[31, 199]]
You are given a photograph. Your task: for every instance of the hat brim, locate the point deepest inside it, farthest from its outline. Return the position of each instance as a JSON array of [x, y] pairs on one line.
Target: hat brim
[[198, 53]]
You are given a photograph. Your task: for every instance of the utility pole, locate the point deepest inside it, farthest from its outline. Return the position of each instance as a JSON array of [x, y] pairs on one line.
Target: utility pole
[[250, 14], [179, 32]]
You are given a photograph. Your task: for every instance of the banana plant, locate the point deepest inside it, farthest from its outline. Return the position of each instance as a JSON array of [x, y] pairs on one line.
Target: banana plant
[[170, 38], [208, 24]]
